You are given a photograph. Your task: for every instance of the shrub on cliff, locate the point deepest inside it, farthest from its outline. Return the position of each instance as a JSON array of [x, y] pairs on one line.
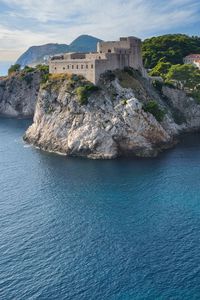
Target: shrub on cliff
[[13, 69], [83, 92], [186, 76], [161, 69], [28, 69], [153, 108], [82, 96]]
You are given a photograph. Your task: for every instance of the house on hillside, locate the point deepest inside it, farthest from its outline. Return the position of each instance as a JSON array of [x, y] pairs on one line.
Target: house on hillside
[[193, 59]]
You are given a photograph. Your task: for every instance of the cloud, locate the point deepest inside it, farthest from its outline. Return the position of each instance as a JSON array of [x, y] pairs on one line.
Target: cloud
[[31, 22]]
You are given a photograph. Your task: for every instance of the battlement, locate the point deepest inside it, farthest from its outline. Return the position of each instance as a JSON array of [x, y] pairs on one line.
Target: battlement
[[110, 55]]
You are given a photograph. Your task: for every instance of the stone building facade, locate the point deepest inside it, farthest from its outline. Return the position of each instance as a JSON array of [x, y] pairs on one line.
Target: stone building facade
[[109, 56]]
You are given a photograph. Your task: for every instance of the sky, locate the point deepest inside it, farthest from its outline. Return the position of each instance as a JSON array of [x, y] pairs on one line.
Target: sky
[[24, 23]]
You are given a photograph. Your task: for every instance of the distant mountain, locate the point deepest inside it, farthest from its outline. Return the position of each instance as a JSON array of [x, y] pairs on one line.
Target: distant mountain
[[36, 54], [84, 43]]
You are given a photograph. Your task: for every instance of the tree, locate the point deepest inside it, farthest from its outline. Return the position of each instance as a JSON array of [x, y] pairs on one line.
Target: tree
[[170, 48], [13, 69], [187, 76], [161, 69]]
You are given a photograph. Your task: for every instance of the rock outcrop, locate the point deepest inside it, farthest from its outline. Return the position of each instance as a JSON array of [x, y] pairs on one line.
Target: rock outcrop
[[18, 94], [111, 124]]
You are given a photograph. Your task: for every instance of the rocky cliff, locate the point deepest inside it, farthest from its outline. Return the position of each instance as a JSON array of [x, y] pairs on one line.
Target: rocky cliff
[[18, 93], [73, 117]]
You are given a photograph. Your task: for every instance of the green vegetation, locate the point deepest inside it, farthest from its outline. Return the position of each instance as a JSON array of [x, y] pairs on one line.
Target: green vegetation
[[124, 102], [83, 92], [28, 69], [161, 69], [13, 69], [153, 108], [42, 68], [171, 48], [196, 96], [44, 77], [186, 76]]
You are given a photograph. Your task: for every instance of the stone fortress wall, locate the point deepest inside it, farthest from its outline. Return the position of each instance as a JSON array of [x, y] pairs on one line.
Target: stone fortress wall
[[109, 56]]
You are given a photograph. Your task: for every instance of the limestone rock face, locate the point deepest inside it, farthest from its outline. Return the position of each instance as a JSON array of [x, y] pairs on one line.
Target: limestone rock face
[[185, 110], [106, 127], [112, 122], [18, 95]]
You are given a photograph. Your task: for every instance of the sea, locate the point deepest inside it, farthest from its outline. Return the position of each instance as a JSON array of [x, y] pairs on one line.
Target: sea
[[80, 229], [4, 66]]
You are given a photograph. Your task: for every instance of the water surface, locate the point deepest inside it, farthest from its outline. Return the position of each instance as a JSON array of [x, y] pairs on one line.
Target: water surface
[[82, 229]]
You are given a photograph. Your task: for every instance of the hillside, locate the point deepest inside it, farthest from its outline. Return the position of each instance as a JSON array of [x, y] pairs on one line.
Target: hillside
[[35, 54], [169, 48]]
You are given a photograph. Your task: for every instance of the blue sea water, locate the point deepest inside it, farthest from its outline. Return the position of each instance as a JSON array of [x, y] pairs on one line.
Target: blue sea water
[[75, 229], [4, 66]]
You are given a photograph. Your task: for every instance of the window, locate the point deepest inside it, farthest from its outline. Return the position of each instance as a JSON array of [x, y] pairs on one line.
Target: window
[[91, 66], [109, 50], [86, 66], [72, 66], [55, 68], [63, 68], [81, 66], [77, 66]]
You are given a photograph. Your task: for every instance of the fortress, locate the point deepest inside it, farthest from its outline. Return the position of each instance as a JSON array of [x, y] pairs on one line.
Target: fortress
[[109, 56]]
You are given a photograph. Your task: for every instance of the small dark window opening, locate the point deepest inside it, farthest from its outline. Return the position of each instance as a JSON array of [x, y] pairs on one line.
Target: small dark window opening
[[109, 50], [77, 66], [72, 66], [91, 66]]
